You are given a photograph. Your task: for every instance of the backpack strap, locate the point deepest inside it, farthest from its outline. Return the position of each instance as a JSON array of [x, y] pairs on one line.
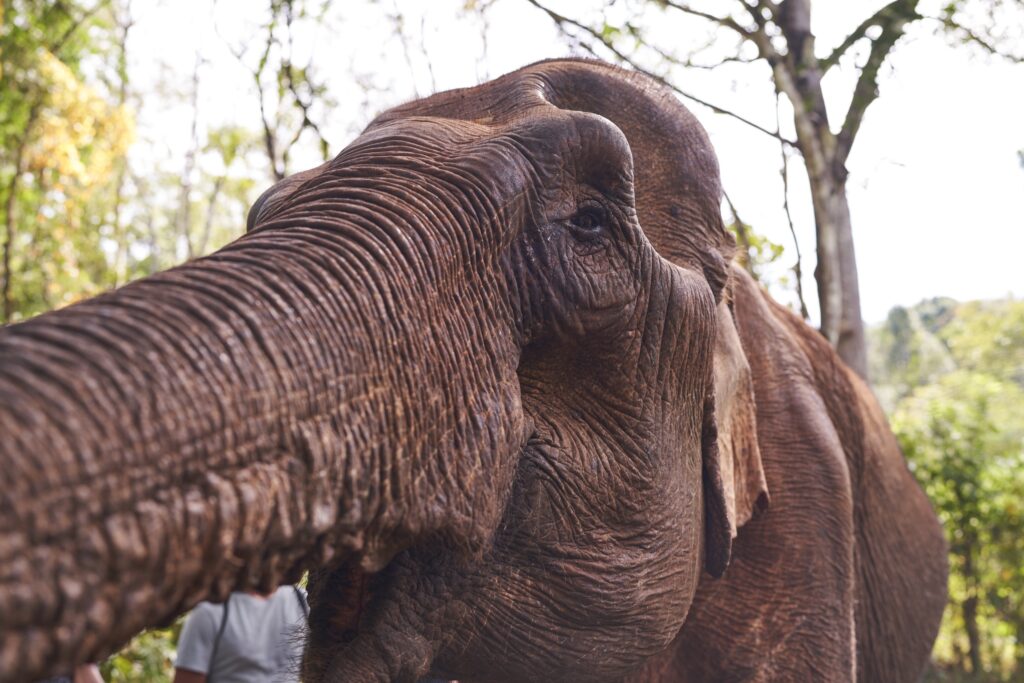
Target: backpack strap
[[216, 640], [302, 600]]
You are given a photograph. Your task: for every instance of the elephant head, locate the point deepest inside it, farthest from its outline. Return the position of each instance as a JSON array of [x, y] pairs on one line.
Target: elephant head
[[478, 373]]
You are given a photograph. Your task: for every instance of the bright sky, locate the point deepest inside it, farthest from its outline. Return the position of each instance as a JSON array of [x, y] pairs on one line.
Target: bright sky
[[936, 188]]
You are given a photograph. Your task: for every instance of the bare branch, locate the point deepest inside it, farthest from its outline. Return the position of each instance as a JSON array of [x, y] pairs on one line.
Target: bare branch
[[893, 24], [303, 106], [184, 214], [398, 23], [562, 21], [689, 63], [971, 36], [798, 266], [480, 9], [10, 219], [426, 57], [211, 212], [727, 22], [269, 138], [760, 37], [75, 25], [848, 42], [881, 18]]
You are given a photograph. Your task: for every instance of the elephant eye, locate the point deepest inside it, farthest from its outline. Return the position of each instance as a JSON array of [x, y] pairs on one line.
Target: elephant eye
[[588, 220]]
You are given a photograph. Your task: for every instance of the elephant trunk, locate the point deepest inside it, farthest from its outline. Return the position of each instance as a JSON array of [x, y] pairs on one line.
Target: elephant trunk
[[225, 425]]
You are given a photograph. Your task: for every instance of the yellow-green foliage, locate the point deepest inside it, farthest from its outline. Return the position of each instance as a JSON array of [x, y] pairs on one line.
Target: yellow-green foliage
[[959, 415], [149, 658]]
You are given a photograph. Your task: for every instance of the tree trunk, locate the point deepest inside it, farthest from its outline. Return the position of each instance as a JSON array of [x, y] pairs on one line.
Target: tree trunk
[[836, 273], [970, 612], [5, 292], [154, 244], [10, 229], [120, 231], [211, 208], [852, 344], [185, 205], [798, 75]]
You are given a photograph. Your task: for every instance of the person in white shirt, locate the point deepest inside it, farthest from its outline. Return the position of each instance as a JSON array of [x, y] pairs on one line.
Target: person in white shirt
[[249, 638]]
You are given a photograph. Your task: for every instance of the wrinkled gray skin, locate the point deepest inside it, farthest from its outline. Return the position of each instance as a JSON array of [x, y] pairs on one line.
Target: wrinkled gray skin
[[489, 375]]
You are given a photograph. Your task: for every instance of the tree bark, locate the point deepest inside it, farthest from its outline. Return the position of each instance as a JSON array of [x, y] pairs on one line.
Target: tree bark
[[185, 203], [211, 209], [852, 343], [798, 75], [125, 24], [5, 292], [970, 611], [10, 220], [836, 272]]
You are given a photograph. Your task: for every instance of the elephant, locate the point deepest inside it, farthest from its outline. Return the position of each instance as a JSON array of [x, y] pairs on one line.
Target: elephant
[[492, 376]]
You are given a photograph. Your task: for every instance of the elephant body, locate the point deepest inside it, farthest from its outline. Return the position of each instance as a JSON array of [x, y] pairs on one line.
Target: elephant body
[[858, 593], [490, 376]]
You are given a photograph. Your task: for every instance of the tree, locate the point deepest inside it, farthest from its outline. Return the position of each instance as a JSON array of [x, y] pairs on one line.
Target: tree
[[950, 374], [61, 140], [289, 95], [989, 337], [147, 658], [965, 443], [907, 351], [779, 35]]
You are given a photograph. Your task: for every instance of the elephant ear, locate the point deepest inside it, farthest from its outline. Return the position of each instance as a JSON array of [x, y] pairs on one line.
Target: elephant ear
[[735, 488]]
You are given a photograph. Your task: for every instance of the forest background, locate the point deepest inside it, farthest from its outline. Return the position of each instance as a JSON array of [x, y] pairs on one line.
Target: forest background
[[134, 135]]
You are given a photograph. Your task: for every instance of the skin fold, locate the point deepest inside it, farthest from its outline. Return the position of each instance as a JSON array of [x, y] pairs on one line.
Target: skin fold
[[490, 377]]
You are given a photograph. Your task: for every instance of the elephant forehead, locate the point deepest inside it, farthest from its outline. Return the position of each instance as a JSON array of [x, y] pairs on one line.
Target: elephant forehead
[[675, 169], [500, 102], [641, 107], [538, 128], [542, 157], [522, 103]]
